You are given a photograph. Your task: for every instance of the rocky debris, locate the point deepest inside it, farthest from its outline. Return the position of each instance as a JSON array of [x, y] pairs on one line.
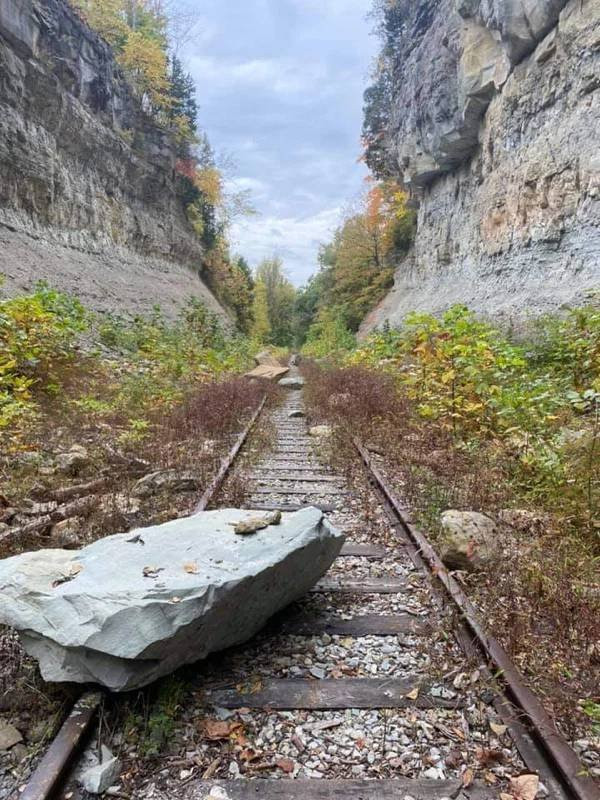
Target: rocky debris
[[320, 431], [9, 735], [85, 621], [74, 461], [67, 533], [254, 524], [296, 414], [292, 383], [165, 480], [469, 540], [96, 779]]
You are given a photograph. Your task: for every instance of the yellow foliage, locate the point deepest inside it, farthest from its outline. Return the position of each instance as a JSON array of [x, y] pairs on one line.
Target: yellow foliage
[[145, 62], [210, 182]]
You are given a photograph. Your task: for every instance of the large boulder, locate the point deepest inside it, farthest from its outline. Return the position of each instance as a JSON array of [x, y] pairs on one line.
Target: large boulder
[[133, 607], [266, 359], [469, 540], [267, 372]]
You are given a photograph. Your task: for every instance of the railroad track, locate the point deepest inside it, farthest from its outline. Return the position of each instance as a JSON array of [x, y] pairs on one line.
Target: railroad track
[[357, 692]]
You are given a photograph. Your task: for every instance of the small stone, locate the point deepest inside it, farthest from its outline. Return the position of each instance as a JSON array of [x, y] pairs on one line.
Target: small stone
[[296, 414], [292, 383], [320, 431], [431, 774], [317, 672], [73, 462], [9, 735], [67, 533], [98, 778], [18, 753]]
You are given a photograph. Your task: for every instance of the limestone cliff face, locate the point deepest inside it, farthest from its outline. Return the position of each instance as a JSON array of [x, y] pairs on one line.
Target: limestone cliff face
[[495, 129], [89, 196]]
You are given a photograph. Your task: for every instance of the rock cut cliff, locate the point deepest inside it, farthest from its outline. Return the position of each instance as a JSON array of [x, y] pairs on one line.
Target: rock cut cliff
[[89, 196], [495, 130]]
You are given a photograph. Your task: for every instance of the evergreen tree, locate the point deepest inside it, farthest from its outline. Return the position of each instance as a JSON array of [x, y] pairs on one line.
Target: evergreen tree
[[183, 92]]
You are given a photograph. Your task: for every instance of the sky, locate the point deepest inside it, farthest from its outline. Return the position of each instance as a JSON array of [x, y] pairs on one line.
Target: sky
[[280, 85]]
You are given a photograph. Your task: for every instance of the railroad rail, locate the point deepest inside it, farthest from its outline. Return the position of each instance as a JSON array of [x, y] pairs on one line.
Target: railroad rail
[[292, 476]]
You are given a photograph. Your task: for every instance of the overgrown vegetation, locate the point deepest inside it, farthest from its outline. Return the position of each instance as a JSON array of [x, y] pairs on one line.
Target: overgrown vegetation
[[468, 418], [131, 368], [356, 268]]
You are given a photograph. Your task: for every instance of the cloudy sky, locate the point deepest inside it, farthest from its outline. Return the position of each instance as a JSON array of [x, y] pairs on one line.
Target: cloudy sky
[[280, 86]]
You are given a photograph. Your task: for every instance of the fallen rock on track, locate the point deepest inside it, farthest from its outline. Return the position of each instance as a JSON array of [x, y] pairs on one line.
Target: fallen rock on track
[[133, 607], [267, 372]]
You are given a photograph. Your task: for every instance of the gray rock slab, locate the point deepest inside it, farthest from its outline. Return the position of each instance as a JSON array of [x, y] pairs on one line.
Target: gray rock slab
[[292, 383], [133, 607]]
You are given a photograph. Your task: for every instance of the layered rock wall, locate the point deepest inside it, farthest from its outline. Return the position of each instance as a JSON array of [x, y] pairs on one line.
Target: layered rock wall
[[89, 196], [495, 131]]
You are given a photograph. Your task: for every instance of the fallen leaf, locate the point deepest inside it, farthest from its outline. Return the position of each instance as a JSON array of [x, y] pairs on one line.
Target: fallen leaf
[[151, 572], [286, 765], [72, 572], [487, 756], [499, 730], [253, 686], [525, 787], [413, 694], [191, 568], [217, 729], [490, 778], [467, 777]]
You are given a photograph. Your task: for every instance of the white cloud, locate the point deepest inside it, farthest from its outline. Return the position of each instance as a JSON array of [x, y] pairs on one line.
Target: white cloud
[[295, 240], [279, 75]]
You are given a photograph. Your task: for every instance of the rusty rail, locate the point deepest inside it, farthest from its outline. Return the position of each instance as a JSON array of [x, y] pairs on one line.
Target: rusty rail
[[63, 749], [562, 754], [227, 462]]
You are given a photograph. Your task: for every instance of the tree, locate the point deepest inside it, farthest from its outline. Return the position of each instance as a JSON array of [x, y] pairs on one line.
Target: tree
[[261, 327], [328, 335], [280, 300], [184, 107]]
